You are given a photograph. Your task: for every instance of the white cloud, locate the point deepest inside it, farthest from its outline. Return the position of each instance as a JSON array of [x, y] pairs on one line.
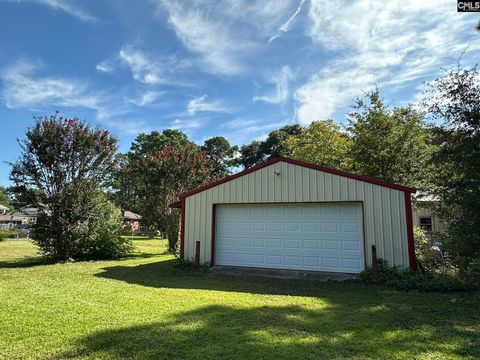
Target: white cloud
[[147, 98], [187, 124], [23, 87], [224, 33], [281, 82], [200, 104], [286, 26], [251, 129], [146, 68], [143, 68], [105, 66], [62, 5], [385, 43]]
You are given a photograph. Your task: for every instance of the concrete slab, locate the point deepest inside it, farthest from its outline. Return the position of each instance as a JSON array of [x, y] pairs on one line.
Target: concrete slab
[[282, 274]]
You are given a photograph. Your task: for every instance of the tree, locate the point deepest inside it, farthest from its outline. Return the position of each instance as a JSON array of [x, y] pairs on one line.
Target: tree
[[21, 196], [251, 154], [392, 145], [66, 162], [4, 197], [259, 151], [221, 154], [160, 167], [130, 193], [454, 99], [323, 143], [273, 146]]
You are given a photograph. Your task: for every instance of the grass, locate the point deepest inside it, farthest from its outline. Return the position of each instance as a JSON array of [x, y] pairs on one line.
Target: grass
[[149, 306]]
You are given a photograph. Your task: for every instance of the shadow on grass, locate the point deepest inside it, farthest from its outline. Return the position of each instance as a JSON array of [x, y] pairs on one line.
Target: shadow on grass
[[25, 262], [336, 331]]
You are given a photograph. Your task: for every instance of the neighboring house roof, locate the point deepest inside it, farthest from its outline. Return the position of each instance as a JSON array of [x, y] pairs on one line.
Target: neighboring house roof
[[29, 210], [425, 196], [10, 218], [303, 164], [129, 215]]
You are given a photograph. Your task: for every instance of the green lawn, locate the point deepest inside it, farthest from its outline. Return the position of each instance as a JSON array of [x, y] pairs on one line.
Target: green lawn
[[148, 306]]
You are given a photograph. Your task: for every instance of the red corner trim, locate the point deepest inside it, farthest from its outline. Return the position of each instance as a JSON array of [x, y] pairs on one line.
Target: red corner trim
[[366, 179], [182, 228], [410, 239], [212, 255]]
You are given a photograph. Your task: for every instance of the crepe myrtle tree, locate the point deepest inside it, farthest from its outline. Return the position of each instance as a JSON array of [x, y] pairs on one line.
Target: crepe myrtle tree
[[65, 163], [165, 175]]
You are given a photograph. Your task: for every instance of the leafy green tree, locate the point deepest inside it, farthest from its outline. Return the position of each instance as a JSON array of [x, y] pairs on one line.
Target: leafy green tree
[[22, 196], [221, 154], [158, 168], [4, 197], [454, 99], [66, 162], [273, 146], [251, 154], [259, 151], [392, 145], [323, 143], [129, 193]]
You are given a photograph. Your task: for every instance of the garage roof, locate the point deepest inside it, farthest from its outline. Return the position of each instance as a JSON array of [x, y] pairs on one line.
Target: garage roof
[[303, 164]]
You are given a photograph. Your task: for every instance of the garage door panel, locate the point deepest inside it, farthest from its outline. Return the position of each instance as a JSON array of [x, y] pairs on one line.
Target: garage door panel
[[274, 226], [310, 227], [274, 244], [293, 236], [292, 227], [330, 245], [311, 243]]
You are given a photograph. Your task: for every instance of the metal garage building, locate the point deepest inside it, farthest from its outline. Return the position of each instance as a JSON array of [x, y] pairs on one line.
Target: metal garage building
[[288, 214]]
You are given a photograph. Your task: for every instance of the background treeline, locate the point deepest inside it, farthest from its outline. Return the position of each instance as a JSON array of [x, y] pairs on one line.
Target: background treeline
[[433, 146]]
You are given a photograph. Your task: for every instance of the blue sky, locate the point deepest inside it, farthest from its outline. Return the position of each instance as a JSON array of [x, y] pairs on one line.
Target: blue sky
[[238, 69]]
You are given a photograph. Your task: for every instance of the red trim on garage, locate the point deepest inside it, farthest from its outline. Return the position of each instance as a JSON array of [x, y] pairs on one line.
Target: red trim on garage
[[182, 229], [306, 165], [410, 239], [214, 226]]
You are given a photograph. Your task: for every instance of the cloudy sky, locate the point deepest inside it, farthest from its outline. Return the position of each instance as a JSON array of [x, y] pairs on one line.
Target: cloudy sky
[[237, 68]]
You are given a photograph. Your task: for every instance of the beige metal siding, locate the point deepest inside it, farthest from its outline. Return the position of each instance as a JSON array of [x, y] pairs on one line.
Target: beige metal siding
[[438, 226], [383, 208]]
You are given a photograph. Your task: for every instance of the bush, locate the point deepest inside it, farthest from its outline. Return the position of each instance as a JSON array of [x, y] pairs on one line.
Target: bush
[[88, 230], [106, 245], [5, 234], [429, 258], [408, 280]]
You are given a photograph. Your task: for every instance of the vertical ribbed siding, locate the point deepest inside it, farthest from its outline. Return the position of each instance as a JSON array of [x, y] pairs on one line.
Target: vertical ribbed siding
[[383, 208]]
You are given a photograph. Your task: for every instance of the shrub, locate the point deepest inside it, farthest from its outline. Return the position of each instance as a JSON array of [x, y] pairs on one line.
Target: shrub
[[90, 230], [4, 234], [429, 258], [106, 245], [407, 280]]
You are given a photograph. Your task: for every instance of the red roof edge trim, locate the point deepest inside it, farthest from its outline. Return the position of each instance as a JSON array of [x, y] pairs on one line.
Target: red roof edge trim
[[176, 205], [306, 165]]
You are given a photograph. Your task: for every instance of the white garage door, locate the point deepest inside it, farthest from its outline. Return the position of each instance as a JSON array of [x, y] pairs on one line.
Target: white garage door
[[318, 237]]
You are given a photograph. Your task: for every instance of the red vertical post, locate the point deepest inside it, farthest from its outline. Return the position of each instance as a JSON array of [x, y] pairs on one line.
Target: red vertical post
[[411, 241], [197, 255], [182, 229], [374, 263]]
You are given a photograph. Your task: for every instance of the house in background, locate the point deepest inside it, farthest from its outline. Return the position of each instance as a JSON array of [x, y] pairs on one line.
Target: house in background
[[23, 218], [424, 215], [10, 222], [28, 214], [131, 220], [3, 209]]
